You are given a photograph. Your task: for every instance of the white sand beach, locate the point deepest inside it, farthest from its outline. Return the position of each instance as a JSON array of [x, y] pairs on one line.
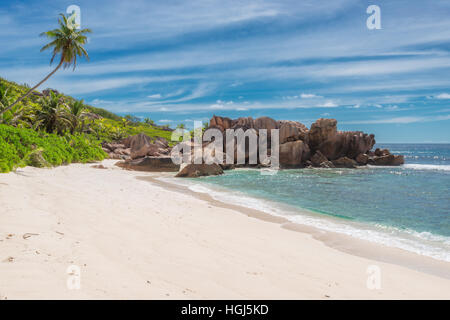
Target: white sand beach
[[136, 239]]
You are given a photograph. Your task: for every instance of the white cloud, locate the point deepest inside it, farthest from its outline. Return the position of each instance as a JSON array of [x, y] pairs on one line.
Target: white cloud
[[94, 85], [217, 106], [384, 67], [222, 105], [65, 83], [200, 91], [329, 104], [290, 97], [443, 96], [100, 102], [391, 108], [400, 120], [165, 121], [155, 96], [309, 96]]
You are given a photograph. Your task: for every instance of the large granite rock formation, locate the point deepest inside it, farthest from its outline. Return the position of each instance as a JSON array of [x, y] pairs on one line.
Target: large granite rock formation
[[142, 153], [221, 123], [294, 153], [141, 146], [334, 144], [322, 130], [117, 151], [329, 147], [320, 146], [137, 146], [292, 131]]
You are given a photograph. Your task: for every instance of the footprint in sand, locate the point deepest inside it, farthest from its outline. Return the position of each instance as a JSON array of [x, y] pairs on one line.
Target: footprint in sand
[[9, 259], [185, 291]]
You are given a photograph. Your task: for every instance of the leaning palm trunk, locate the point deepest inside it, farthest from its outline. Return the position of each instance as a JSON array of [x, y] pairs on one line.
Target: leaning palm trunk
[[67, 41], [34, 88]]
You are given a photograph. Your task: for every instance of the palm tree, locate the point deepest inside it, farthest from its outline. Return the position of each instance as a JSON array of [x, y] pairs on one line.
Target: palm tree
[[54, 114], [66, 41], [149, 121], [13, 115], [77, 113], [4, 102], [4, 97]]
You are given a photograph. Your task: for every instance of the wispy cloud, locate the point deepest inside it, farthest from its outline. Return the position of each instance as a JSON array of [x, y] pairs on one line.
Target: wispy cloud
[[309, 96], [399, 120], [443, 96], [329, 104], [199, 91]]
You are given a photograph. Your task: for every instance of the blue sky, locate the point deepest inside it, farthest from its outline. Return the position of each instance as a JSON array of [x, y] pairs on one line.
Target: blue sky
[[178, 61]]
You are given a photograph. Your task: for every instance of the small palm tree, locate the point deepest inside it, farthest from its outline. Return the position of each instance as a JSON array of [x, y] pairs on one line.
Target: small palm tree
[[54, 114], [77, 114], [13, 115], [68, 42], [5, 100], [4, 97], [149, 121]]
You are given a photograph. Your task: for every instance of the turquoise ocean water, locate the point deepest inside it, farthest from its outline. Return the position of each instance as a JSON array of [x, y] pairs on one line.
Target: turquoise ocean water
[[406, 207]]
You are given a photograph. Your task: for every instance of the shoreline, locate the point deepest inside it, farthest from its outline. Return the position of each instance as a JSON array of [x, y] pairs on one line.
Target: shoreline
[[344, 243], [137, 239]]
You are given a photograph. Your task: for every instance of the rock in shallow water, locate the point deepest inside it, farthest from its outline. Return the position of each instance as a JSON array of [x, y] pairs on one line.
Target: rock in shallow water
[[327, 164], [318, 158], [362, 159], [344, 162], [387, 160]]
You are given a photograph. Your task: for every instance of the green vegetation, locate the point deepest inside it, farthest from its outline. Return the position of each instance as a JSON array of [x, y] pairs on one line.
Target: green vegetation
[[53, 129], [111, 130], [20, 147]]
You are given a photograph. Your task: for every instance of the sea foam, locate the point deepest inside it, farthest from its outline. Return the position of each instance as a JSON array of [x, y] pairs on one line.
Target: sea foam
[[423, 243], [427, 167]]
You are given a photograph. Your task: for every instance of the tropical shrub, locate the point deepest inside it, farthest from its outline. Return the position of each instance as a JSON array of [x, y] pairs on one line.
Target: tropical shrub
[[21, 147]]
